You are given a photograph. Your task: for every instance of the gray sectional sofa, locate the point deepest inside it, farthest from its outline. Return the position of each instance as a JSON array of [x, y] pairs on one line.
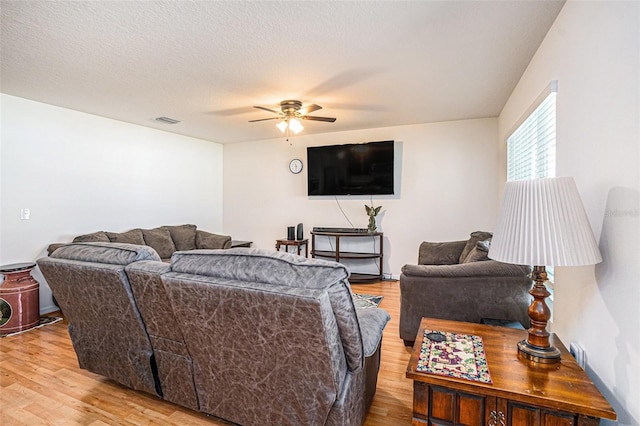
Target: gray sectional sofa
[[251, 336], [165, 240]]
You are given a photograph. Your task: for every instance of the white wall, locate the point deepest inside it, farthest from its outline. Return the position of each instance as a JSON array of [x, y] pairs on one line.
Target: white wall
[[447, 187], [593, 51], [80, 173]]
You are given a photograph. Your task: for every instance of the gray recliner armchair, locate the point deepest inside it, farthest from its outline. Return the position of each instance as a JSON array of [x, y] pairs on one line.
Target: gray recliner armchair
[[457, 281]]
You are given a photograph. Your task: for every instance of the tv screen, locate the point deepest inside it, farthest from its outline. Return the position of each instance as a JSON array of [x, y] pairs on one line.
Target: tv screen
[[353, 169]]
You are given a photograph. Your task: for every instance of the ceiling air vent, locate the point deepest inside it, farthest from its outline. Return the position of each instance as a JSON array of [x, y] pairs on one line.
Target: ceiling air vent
[[167, 120]]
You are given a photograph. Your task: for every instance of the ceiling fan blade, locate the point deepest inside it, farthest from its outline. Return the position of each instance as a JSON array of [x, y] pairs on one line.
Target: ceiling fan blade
[[264, 119], [310, 117], [267, 109], [309, 108]]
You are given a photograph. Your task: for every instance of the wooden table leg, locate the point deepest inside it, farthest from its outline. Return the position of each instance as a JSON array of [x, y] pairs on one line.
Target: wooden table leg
[[420, 404]]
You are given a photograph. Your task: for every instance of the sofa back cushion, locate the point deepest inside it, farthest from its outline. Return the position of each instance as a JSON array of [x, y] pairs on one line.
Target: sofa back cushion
[[99, 236], [133, 236], [107, 332], [284, 269], [262, 353], [160, 240], [183, 236], [447, 253], [479, 253], [471, 243]]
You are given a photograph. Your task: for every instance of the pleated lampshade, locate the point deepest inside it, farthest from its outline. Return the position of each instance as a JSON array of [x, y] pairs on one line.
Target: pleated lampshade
[[543, 222]]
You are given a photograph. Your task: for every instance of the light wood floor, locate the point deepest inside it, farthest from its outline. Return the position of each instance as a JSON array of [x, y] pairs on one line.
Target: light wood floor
[[41, 384]]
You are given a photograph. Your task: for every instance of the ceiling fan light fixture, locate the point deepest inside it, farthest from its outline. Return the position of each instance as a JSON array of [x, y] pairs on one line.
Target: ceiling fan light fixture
[[282, 126], [290, 114], [295, 126]]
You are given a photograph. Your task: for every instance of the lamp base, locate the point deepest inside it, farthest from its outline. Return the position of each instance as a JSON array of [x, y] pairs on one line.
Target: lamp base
[[549, 355], [537, 347]]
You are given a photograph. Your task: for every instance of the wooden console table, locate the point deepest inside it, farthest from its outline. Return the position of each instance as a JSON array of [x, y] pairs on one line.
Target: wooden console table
[[339, 255], [522, 393]]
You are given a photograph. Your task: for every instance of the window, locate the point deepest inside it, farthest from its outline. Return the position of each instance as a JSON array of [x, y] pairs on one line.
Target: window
[[531, 147]]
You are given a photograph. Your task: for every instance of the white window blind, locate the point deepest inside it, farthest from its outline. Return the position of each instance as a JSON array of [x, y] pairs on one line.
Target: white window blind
[[531, 148]]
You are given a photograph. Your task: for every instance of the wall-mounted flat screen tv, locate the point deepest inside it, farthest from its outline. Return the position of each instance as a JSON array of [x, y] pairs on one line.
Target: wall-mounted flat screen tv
[[352, 169]]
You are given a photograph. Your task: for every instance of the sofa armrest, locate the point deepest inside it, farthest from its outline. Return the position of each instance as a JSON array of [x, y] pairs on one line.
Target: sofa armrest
[[55, 246], [473, 269], [372, 323], [149, 266], [208, 240], [447, 253]]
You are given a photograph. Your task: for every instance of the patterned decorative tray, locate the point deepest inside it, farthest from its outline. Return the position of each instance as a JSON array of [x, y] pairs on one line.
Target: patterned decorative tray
[[460, 356]]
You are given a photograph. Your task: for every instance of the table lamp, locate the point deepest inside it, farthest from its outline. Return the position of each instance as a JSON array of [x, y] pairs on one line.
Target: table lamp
[[542, 222]]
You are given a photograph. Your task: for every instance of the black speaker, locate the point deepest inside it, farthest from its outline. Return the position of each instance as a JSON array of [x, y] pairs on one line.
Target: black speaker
[[291, 233], [299, 233]]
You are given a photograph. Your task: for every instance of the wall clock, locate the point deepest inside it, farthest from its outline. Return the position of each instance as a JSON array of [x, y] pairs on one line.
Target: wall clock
[[295, 166]]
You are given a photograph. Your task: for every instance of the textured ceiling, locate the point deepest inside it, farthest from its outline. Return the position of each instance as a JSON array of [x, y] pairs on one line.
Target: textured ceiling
[[370, 64]]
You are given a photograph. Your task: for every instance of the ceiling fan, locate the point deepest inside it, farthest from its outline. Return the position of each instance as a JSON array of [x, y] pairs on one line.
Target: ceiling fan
[[290, 114]]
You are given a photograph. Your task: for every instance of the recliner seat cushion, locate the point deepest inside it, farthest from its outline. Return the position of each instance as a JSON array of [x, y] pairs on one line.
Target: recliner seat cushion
[[375, 319]]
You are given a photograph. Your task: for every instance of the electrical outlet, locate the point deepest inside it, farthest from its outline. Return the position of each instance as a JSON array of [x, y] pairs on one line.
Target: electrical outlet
[[578, 353], [25, 214], [386, 276]]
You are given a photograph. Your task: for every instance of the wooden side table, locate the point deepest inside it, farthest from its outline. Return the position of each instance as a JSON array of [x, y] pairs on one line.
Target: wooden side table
[[294, 243], [19, 298], [522, 393]]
